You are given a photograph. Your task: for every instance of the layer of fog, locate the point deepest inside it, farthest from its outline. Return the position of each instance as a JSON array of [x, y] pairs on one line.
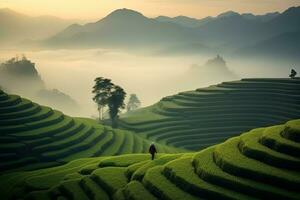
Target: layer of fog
[[151, 78]]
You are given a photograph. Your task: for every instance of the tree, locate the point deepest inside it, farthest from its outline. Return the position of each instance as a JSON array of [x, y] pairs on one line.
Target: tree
[[133, 103], [102, 90], [293, 73], [115, 103]]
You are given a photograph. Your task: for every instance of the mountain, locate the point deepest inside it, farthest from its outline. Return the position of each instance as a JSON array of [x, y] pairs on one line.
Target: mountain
[[286, 45], [184, 21], [121, 28], [215, 70], [228, 14], [16, 27], [226, 33], [193, 22], [20, 76], [231, 31], [263, 18]]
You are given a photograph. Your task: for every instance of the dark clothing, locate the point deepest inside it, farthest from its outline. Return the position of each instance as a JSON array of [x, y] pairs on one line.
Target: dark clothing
[[152, 151]]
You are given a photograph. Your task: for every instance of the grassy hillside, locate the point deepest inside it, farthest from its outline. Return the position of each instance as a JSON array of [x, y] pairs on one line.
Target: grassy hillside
[[262, 163], [204, 117], [34, 136]]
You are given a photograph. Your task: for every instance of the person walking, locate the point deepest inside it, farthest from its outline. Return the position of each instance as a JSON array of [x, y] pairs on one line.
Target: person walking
[[152, 150]]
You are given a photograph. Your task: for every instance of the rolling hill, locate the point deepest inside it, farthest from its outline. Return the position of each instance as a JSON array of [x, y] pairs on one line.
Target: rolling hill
[[260, 164], [197, 119], [34, 136]]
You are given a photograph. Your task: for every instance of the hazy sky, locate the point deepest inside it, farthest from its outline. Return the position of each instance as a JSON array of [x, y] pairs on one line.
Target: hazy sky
[[94, 9]]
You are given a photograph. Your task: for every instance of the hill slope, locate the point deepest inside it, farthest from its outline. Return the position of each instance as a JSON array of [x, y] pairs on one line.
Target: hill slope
[[207, 116], [34, 136], [263, 163], [16, 27]]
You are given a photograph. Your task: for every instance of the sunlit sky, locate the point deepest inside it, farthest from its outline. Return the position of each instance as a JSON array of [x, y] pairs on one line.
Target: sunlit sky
[[94, 9]]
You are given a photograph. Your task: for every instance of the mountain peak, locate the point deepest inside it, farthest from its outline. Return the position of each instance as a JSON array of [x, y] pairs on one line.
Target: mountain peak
[[8, 11], [216, 61], [292, 10], [228, 14], [125, 14]]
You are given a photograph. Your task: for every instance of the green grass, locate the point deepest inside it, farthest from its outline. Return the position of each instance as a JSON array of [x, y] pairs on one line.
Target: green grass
[[183, 174], [92, 189], [229, 108], [34, 136], [141, 171], [251, 146], [136, 191], [241, 165], [272, 138], [161, 187], [241, 168], [72, 190], [110, 178], [206, 167]]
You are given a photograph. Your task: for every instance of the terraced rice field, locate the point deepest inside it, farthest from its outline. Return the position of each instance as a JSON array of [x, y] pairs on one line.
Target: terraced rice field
[[34, 136], [263, 163], [197, 119]]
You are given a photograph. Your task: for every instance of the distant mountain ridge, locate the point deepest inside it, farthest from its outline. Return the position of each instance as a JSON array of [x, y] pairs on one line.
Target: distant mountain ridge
[[122, 27], [193, 22], [228, 33], [16, 27]]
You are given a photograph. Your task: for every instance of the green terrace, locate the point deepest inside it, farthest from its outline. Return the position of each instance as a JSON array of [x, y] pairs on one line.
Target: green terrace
[[262, 163], [197, 119], [34, 136]]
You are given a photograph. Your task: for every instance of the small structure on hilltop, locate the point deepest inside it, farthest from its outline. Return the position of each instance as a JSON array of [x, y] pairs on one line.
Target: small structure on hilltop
[[293, 73]]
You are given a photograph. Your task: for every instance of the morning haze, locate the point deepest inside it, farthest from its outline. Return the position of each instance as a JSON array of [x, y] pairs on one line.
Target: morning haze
[[138, 50], [149, 99]]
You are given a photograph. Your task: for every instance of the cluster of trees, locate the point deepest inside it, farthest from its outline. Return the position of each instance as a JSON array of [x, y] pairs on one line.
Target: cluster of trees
[[107, 94]]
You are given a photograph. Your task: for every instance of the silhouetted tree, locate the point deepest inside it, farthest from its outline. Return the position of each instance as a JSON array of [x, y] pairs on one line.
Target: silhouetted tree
[[116, 103], [133, 103], [293, 73], [102, 90]]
